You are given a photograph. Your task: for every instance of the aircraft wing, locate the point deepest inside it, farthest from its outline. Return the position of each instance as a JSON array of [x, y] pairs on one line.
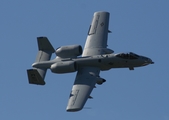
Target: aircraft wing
[[96, 41], [84, 83], [86, 77]]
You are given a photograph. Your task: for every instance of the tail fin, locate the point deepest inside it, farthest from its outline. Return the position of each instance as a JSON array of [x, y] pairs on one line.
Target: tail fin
[[37, 75], [45, 49], [34, 77]]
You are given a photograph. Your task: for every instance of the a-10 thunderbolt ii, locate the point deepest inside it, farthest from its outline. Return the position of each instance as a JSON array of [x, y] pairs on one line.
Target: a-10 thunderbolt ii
[[95, 57]]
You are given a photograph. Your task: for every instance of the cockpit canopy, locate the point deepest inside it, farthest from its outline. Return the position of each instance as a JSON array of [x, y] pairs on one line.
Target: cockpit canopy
[[129, 55]]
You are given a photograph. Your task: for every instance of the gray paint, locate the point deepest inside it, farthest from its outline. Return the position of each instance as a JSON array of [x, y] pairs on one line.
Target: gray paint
[[96, 56]]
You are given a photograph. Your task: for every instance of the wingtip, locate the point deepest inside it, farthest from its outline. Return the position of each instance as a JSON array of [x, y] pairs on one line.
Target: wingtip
[[73, 109]]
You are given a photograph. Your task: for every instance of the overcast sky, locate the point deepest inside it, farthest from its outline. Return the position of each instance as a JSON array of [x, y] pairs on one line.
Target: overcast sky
[[139, 26]]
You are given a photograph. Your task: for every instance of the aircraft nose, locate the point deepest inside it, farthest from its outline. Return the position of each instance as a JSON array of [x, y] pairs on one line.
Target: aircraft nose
[[148, 60]]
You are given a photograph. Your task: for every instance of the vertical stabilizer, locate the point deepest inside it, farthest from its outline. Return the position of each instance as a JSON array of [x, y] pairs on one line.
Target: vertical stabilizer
[[45, 50]]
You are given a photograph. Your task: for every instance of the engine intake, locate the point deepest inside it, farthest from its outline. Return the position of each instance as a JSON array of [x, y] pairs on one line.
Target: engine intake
[[64, 67], [69, 51]]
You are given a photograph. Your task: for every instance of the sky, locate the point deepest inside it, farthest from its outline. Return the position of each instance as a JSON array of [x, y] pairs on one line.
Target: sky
[[139, 26]]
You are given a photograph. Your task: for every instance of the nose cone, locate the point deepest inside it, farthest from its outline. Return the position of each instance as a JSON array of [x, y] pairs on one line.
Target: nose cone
[[150, 61], [147, 61]]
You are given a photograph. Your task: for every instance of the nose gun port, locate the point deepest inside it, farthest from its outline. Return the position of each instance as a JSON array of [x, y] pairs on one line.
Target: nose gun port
[[147, 60], [150, 61]]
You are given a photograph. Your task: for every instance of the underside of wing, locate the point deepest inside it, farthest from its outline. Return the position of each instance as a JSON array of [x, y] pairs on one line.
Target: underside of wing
[[84, 83], [96, 41]]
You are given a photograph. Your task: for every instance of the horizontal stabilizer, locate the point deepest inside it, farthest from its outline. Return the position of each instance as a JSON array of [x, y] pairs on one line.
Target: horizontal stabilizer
[[34, 77]]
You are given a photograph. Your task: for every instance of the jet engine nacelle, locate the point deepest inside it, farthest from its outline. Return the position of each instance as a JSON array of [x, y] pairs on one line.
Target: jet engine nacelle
[[64, 67], [100, 81], [69, 51]]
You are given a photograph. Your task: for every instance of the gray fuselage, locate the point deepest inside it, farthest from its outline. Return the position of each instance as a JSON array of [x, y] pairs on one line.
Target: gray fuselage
[[104, 62]]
